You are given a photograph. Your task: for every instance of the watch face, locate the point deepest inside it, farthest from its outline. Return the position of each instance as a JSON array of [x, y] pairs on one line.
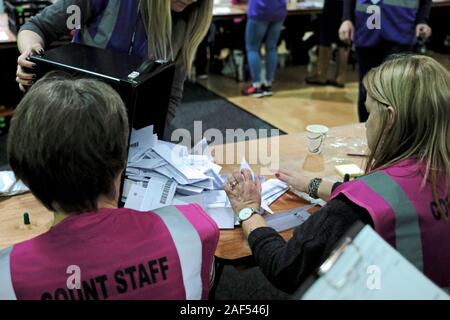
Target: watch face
[[245, 213]]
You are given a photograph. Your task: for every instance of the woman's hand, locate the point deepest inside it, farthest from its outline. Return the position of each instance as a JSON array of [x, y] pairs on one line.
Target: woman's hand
[[23, 78], [423, 30], [346, 32], [297, 181], [243, 191]]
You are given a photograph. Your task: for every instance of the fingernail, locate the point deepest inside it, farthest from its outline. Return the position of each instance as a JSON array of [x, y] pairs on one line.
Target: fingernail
[[34, 76], [34, 66], [277, 175]]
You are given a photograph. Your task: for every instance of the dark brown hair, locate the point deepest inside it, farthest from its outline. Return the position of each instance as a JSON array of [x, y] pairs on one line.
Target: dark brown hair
[[68, 142]]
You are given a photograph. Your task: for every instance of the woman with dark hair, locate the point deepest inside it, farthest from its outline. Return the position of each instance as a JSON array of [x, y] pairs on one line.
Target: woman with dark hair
[[68, 143]]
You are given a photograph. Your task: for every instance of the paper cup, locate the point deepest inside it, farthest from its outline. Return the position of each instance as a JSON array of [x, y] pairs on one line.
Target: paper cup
[[316, 135]]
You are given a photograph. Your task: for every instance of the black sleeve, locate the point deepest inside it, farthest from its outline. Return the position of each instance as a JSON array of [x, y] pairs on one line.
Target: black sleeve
[[349, 10], [288, 264], [51, 23], [424, 11]]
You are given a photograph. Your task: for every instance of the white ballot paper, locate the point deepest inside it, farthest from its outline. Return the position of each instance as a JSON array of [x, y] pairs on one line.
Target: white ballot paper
[[3, 36], [9, 185], [272, 189], [218, 206], [245, 165], [193, 173], [158, 193], [140, 142]]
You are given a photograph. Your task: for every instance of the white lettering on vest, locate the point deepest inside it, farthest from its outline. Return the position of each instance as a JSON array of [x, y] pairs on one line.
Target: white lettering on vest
[[374, 21], [74, 280]]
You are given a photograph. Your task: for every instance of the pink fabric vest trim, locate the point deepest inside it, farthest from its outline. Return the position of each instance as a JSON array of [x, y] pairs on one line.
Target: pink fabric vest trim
[[122, 254], [433, 236]]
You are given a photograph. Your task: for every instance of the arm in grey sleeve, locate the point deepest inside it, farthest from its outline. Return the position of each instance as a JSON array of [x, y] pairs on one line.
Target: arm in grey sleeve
[[51, 23]]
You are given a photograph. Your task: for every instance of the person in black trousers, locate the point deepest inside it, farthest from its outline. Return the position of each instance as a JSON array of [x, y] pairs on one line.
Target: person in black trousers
[[329, 26], [397, 34]]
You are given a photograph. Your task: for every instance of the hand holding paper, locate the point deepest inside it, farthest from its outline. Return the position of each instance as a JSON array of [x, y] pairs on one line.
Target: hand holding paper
[[243, 191]]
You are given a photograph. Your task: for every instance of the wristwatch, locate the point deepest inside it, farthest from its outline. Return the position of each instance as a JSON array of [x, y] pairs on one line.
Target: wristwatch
[[246, 213]]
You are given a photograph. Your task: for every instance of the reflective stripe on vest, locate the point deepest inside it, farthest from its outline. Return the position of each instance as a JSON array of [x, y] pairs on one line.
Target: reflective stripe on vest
[[407, 228], [189, 248], [105, 28], [6, 286]]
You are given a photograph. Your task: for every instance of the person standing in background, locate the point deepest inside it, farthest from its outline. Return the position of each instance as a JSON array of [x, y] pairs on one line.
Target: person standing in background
[[393, 29], [265, 22], [167, 30], [330, 22]]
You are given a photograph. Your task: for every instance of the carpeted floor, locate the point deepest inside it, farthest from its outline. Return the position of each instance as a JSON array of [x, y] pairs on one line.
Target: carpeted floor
[[200, 104]]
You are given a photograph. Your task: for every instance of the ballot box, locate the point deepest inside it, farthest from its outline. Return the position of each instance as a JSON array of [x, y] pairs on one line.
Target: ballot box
[[144, 85]]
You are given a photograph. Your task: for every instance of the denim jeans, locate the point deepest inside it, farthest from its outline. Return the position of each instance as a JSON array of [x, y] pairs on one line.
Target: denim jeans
[[255, 33]]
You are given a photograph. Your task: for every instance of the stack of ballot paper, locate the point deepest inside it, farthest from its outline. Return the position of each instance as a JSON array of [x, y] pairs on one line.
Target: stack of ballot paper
[[160, 173], [157, 170]]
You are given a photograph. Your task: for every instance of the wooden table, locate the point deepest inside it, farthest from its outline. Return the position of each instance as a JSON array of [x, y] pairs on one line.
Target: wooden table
[[293, 155], [440, 3], [12, 228], [289, 152], [232, 246]]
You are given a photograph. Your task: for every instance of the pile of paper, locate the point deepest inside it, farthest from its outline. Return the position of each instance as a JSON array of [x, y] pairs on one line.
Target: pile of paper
[[157, 170], [272, 189], [9, 185], [160, 173]]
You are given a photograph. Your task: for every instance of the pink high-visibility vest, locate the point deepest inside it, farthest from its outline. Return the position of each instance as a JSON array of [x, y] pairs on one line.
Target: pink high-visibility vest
[[404, 213], [115, 254]]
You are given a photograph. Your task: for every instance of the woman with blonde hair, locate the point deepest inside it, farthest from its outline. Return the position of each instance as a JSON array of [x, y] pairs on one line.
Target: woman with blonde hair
[[168, 30], [404, 195]]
